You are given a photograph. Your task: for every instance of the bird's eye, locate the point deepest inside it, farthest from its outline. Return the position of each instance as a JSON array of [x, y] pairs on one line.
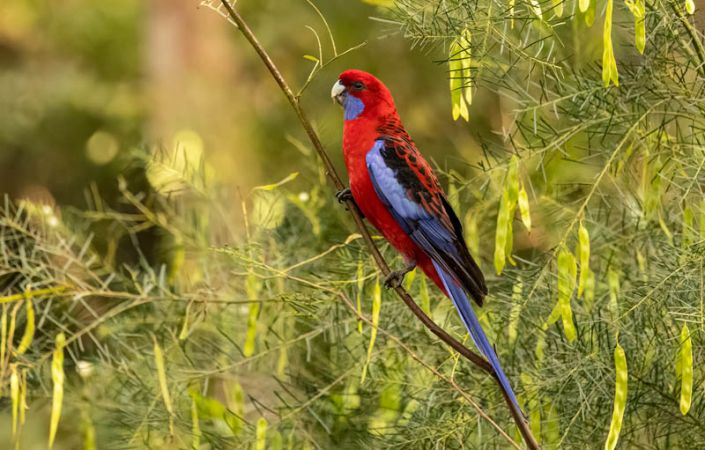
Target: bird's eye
[[358, 86]]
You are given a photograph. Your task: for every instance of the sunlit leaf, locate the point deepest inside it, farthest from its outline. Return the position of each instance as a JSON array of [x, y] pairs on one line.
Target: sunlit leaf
[[15, 397], [271, 187], [620, 397], [557, 7], [690, 6], [424, 295], [88, 431], [360, 289], [252, 286], [57, 378], [567, 272], [590, 13], [609, 63], [515, 313], [584, 255], [685, 356], [163, 386], [638, 10], [376, 307], [261, 434], [613, 285], [28, 335], [523, 202]]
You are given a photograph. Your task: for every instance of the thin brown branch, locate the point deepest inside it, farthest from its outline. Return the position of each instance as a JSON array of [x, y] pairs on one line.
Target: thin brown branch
[[473, 357]]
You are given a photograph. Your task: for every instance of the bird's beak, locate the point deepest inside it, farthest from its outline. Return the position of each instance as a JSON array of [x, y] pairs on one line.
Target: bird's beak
[[338, 92]]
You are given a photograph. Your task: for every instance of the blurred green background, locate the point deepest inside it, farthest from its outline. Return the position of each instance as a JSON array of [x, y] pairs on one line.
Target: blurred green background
[[84, 84], [206, 306]]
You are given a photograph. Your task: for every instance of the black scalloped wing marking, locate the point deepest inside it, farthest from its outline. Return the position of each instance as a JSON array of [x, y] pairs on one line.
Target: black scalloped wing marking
[[441, 235]]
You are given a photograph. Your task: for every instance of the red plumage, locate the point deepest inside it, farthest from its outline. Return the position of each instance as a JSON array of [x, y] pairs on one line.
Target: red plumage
[[359, 135], [396, 189]]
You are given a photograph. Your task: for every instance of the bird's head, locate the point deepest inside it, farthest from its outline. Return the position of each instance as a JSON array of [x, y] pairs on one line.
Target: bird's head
[[361, 94]]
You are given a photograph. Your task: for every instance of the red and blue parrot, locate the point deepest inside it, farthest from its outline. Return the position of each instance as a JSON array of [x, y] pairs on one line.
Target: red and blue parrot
[[396, 190]]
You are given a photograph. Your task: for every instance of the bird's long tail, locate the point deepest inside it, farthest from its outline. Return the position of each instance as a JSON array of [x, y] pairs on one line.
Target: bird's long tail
[[462, 304]]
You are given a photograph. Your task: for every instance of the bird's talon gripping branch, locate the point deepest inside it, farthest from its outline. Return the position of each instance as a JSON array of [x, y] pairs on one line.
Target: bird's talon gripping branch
[[394, 279], [344, 195]]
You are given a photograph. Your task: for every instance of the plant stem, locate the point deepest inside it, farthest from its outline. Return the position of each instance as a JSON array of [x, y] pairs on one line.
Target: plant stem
[[332, 174]]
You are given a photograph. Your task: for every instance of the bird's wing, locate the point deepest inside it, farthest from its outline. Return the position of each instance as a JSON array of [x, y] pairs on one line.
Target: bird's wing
[[406, 185]]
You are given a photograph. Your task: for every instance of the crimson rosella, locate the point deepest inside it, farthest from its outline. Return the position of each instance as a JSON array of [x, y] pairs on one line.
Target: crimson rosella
[[396, 190]]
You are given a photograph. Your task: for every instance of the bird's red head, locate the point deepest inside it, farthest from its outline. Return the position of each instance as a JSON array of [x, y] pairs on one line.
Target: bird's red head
[[362, 95]]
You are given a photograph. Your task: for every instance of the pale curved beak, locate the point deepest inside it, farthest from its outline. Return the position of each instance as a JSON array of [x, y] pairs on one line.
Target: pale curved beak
[[338, 92]]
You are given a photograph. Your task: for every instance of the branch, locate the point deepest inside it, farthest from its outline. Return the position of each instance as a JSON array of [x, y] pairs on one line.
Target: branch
[[357, 217]]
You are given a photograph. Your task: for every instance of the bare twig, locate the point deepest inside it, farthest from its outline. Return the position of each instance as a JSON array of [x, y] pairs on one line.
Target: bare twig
[[473, 357]]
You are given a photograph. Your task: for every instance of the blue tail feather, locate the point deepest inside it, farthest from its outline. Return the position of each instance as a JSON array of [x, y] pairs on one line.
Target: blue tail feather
[[467, 314]]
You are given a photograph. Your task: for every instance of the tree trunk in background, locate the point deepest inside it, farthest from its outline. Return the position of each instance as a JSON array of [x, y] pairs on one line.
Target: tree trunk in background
[[192, 72]]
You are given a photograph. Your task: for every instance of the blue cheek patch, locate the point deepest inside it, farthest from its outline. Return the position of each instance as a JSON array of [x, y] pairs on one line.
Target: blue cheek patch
[[353, 107]]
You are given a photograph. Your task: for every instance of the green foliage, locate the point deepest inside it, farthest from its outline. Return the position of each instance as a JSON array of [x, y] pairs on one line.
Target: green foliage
[[258, 338]]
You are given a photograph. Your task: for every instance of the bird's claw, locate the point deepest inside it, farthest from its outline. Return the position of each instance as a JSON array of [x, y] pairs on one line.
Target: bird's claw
[[344, 195], [394, 279]]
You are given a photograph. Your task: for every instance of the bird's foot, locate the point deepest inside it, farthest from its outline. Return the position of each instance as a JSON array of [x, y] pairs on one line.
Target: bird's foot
[[395, 278], [344, 195]]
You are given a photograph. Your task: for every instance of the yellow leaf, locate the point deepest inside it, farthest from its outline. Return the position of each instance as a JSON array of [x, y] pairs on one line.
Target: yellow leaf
[[558, 7], [503, 224], [583, 5], [690, 6], [638, 10], [584, 254], [23, 396], [163, 386], [252, 286], [613, 285], [3, 334], [511, 13], [620, 397], [590, 13], [88, 431], [686, 369], [567, 272], [15, 396], [409, 279], [523, 202], [29, 327], [425, 297], [261, 434], [376, 307], [358, 297], [472, 237], [271, 187], [609, 63], [57, 377], [515, 312], [459, 60]]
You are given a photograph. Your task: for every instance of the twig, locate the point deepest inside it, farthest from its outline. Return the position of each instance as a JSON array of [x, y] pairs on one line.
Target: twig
[[357, 217]]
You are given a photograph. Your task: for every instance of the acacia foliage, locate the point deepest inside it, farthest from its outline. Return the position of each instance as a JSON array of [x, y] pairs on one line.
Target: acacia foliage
[[253, 340]]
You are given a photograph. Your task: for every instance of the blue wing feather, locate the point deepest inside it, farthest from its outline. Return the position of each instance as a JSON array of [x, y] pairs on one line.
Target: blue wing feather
[[472, 324], [430, 225], [443, 244]]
